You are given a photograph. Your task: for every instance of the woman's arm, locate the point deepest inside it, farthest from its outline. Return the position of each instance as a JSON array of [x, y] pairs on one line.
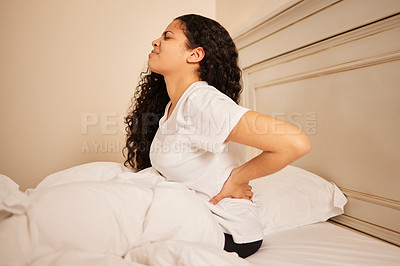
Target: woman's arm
[[281, 143]]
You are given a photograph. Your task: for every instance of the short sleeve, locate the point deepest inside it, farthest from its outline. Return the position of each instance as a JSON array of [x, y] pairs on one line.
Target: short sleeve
[[213, 115]]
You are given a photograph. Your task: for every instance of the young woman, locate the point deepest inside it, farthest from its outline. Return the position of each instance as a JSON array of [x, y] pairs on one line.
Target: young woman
[[184, 113]]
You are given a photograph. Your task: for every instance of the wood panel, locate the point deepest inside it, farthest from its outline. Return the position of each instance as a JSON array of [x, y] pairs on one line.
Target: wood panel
[[339, 81]]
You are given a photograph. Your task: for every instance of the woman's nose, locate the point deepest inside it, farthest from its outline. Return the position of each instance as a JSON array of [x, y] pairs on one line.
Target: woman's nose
[[156, 43]]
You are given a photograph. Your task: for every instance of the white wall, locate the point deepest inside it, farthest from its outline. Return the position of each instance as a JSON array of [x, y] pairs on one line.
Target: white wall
[[67, 63]]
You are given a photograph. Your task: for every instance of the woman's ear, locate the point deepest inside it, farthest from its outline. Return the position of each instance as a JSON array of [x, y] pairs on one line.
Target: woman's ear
[[196, 55]]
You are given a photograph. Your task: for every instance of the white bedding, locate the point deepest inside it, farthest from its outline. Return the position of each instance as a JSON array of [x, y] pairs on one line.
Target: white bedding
[[324, 243], [104, 214]]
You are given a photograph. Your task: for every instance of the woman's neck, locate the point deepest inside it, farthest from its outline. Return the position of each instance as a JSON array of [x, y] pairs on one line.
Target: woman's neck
[[177, 86]]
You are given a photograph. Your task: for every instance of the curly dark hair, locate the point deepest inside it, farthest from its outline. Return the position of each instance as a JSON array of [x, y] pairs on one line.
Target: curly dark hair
[[218, 68]]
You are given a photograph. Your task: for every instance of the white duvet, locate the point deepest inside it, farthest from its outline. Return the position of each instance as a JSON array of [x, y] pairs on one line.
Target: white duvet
[[104, 214]]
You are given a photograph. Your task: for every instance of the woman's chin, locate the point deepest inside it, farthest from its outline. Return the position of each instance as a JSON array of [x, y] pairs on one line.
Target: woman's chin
[[152, 68]]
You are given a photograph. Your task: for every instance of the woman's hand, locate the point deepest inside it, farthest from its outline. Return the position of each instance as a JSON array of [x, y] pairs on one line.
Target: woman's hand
[[232, 189]]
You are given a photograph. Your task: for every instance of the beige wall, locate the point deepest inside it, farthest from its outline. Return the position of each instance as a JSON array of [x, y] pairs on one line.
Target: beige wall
[[238, 14], [68, 69]]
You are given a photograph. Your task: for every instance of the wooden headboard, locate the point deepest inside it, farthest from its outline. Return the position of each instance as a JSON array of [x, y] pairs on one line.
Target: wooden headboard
[[332, 68]]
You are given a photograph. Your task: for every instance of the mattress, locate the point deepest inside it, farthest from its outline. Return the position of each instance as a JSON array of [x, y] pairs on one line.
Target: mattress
[[324, 243]]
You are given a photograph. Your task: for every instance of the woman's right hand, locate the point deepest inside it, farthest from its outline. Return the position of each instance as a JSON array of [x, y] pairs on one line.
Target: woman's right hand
[[233, 189]]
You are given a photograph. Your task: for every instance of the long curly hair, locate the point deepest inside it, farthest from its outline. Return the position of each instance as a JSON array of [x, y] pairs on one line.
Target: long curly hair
[[218, 68]]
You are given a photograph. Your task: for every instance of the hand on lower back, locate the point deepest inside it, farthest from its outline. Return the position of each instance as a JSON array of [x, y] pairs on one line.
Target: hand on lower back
[[232, 189]]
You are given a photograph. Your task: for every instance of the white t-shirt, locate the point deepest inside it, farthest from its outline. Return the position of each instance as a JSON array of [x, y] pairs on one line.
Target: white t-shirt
[[190, 148]]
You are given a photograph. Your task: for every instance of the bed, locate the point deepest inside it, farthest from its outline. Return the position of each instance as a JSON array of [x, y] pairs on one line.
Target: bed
[[338, 205], [102, 213]]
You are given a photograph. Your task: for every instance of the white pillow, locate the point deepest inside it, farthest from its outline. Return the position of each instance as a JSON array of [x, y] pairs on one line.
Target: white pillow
[[294, 197]]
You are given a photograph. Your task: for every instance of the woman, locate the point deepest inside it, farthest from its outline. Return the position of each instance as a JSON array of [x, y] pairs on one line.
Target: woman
[[184, 113]]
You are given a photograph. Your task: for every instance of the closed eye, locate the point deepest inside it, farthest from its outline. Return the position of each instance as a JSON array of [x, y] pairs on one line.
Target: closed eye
[[165, 35]]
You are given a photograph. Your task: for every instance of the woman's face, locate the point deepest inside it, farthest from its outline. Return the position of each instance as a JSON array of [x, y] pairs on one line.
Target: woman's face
[[170, 53]]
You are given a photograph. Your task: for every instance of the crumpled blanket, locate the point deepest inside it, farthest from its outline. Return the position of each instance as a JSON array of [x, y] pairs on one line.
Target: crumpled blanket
[[105, 214]]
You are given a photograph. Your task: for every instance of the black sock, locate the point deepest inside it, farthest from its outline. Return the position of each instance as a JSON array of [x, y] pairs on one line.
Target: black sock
[[243, 250]]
